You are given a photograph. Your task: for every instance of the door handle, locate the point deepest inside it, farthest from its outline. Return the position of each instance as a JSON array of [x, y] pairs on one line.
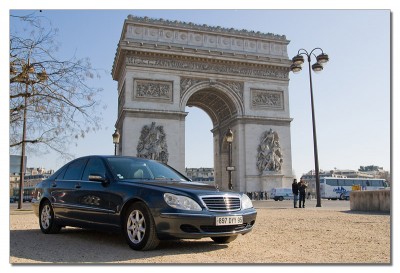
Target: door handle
[[78, 186], [54, 184]]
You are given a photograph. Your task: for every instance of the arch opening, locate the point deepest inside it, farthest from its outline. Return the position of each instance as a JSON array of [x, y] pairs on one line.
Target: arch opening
[[222, 109], [199, 138], [215, 103]]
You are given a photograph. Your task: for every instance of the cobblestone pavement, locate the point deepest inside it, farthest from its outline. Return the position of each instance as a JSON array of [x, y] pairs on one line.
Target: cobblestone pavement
[[331, 234]]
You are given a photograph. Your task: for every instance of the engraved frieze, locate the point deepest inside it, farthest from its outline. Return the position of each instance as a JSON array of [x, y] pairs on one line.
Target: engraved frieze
[[208, 67], [266, 99], [149, 89]]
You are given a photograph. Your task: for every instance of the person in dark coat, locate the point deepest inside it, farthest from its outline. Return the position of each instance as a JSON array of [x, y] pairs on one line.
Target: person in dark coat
[[302, 190], [295, 190]]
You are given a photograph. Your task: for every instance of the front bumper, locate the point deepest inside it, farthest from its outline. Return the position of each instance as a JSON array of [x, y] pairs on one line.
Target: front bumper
[[187, 225]]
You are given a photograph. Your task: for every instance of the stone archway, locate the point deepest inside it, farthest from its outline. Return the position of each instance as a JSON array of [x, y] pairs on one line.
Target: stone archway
[[239, 78], [223, 105]]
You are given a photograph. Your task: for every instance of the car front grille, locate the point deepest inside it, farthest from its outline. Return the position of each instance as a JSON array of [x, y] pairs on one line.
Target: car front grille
[[222, 203]]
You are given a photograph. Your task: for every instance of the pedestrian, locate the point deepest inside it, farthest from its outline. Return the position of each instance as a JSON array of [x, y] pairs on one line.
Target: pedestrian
[[295, 190], [302, 190]]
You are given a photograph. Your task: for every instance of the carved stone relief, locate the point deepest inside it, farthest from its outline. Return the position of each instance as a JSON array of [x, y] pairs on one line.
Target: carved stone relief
[[149, 89], [205, 66], [153, 143], [187, 83], [266, 99], [269, 156]]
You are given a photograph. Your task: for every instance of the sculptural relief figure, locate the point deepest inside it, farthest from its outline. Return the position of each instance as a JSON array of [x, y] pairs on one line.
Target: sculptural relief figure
[[152, 143], [269, 156]]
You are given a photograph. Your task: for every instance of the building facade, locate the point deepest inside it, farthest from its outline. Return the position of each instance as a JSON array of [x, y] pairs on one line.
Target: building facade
[[200, 174], [239, 78]]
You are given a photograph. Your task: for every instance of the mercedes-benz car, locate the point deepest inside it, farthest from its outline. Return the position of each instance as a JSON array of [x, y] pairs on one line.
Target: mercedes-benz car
[[144, 199]]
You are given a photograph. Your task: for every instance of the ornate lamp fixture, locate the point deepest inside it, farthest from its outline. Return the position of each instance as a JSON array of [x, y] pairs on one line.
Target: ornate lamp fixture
[[321, 60]]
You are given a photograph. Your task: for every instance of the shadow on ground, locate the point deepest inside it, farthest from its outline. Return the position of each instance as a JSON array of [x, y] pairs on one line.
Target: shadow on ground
[[75, 246]]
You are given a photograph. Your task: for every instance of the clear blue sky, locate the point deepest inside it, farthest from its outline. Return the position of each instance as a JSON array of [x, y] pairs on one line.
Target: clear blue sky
[[352, 94]]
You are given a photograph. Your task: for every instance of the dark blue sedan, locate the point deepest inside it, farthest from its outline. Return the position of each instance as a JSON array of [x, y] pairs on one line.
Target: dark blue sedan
[[146, 200]]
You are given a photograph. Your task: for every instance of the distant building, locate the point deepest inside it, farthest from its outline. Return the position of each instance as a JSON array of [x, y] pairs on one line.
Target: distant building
[[200, 174], [31, 178]]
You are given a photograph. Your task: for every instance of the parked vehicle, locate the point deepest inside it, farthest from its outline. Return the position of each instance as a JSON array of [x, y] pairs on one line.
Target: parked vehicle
[[333, 188], [145, 200], [281, 194]]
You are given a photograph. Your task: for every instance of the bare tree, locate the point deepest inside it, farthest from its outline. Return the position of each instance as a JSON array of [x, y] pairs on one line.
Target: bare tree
[[51, 96]]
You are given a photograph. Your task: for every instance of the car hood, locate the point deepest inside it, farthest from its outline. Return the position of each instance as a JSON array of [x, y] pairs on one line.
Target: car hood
[[175, 185]]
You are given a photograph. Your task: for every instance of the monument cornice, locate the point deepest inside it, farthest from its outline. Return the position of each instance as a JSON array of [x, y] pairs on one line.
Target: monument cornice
[[263, 120], [146, 113], [201, 64], [203, 28], [180, 38]]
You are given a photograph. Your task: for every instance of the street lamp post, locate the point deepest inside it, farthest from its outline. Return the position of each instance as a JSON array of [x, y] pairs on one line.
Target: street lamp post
[[229, 139], [29, 77], [115, 137], [297, 61]]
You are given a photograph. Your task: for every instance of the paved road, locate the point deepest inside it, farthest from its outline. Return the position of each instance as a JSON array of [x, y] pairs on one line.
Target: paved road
[[275, 239]]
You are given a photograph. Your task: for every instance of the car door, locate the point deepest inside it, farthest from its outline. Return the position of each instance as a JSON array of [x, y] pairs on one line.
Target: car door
[[63, 189], [96, 199]]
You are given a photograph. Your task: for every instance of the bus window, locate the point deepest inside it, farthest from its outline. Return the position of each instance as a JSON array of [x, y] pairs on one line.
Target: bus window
[[378, 183], [348, 183], [332, 182]]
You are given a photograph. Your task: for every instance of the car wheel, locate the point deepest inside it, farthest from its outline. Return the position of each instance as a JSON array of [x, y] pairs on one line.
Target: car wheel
[[281, 198], [139, 228], [46, 219], [224, 240]]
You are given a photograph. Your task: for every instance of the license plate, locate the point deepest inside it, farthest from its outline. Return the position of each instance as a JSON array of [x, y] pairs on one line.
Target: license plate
[[229, 220]]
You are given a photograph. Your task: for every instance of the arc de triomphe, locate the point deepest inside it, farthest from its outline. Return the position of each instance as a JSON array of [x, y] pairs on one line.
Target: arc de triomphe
[[239, 78]]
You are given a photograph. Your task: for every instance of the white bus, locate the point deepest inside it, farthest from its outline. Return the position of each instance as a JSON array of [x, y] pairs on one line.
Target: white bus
[[334, 188]]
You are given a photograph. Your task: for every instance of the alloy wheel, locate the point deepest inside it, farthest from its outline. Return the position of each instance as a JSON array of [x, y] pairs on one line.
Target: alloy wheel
[[136, 226]]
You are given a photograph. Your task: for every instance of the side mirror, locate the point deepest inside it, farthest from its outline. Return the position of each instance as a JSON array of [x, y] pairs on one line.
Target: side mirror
[[99, 178]]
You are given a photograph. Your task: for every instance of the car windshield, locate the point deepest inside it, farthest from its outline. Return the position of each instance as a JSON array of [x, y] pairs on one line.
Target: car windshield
[[141, 169]]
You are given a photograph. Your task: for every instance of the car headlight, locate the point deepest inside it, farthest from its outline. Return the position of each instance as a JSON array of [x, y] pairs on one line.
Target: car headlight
[[246, 202], [181, 202]]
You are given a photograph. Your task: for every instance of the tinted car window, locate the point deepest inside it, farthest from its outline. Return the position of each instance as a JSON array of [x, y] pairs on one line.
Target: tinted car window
[[74, 170], [128, 168], [58, 174], [94, 166]]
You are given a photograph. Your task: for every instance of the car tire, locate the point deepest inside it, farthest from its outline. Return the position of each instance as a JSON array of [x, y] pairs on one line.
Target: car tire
[[47, 221], [139, 228], [224, 239], [281, 198]]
